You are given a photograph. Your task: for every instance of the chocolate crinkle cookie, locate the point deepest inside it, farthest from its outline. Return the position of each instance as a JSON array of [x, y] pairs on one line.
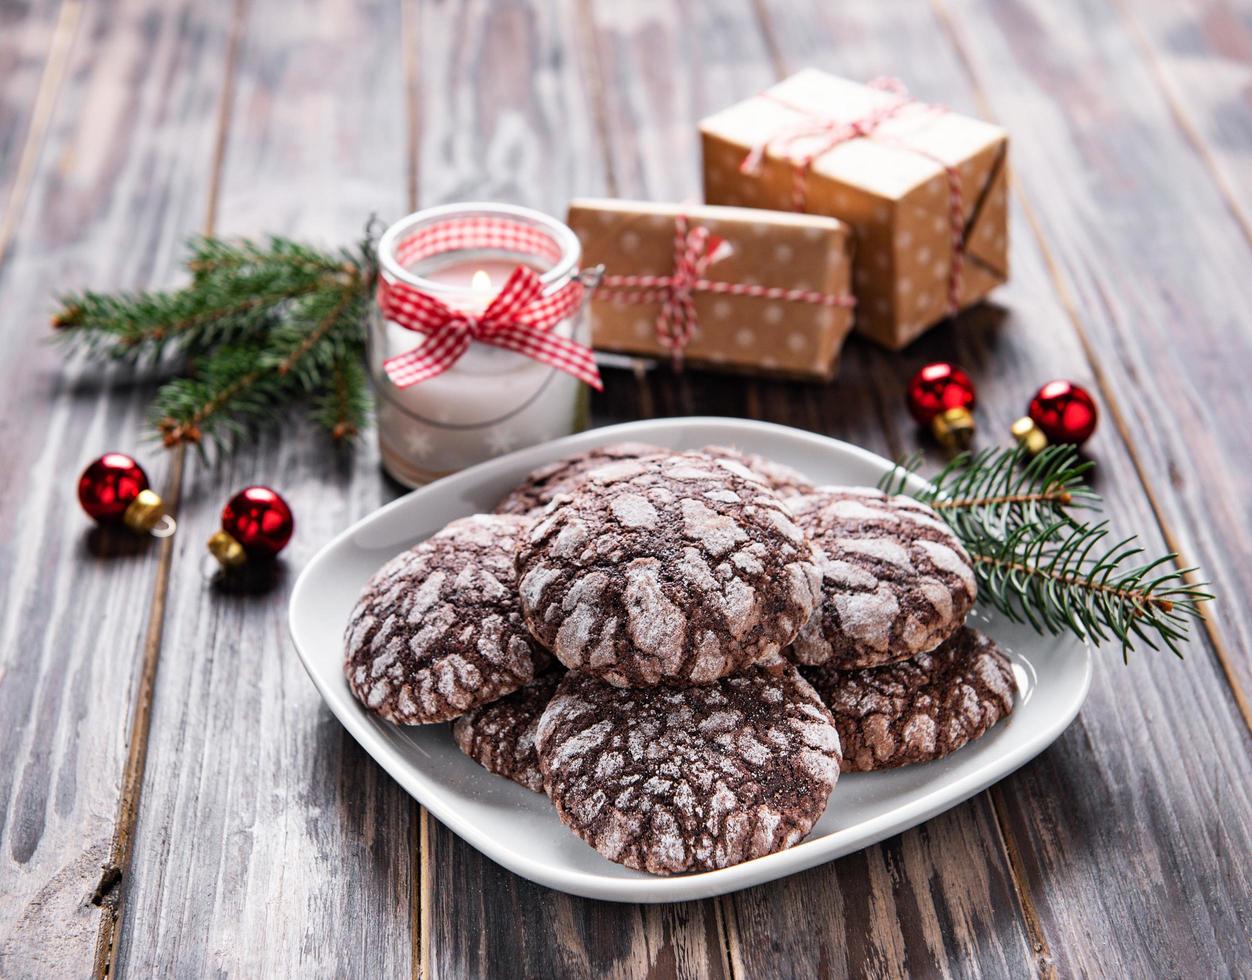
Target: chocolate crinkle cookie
[[667, 569], [564, 475], [920, 709], [500, 736], [673, 779], [896, 582], [781, 479], [438, 629]]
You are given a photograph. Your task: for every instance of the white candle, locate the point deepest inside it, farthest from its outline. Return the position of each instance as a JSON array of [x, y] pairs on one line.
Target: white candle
[[491, 401]]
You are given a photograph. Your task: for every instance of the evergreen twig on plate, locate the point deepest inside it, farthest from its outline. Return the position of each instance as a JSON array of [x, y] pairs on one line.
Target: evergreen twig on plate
[[1039, 563]]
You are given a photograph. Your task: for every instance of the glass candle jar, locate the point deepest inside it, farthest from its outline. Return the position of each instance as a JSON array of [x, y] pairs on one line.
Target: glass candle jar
[[490, 400]]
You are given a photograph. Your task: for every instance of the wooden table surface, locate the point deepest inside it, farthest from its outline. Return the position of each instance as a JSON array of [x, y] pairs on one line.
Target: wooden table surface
[[158, 727]]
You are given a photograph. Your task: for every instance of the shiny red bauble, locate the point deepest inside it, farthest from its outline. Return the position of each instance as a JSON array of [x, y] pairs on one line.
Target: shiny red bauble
[[110, 485], [260, 520], [937, 388], [1064, 412]]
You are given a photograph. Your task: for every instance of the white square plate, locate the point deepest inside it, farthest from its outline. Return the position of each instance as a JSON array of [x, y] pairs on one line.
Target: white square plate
[[518, 828]]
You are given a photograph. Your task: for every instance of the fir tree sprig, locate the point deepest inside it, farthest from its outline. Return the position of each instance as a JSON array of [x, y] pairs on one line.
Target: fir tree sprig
[[260, 326], [1038, 562]]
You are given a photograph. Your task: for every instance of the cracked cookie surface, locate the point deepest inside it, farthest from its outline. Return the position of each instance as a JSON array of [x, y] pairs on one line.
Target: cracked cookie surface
[[500, 736], [778, 477], [896, 581], [667, 570], [564, 475], [438, 629], [921, 709], [674, 779]]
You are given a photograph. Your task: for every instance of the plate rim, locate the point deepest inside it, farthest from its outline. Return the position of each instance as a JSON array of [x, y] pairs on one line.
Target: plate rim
[[654, 888]]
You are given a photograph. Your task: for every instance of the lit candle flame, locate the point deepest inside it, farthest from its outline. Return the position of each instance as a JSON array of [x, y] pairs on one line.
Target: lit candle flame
[[480, 282]]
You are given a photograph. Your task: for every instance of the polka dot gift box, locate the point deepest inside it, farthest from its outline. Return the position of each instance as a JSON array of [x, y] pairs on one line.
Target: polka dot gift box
[[925, 189], [734, 289]]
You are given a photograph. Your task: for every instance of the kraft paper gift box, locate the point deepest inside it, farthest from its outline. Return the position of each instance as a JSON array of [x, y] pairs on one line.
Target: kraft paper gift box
[[906, 176], [734, 289]]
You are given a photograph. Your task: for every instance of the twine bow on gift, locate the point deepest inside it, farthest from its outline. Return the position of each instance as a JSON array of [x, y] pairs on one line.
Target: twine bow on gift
[[829, 133], [519, 318], [695, 249]]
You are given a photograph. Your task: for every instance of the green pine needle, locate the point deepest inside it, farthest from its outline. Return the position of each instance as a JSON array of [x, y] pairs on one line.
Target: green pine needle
[[1039, 563], [261, 327]]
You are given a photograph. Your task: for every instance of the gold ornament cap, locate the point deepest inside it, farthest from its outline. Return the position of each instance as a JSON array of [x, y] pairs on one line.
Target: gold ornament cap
[[954, 428], [1029, 435], [144, 513], [226, 550]]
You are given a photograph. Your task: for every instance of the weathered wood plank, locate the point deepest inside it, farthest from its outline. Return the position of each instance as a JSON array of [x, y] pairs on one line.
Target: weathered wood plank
[[505, 117], [1107, 859], [939, 898], [35, 41], [109, 192], [268, 843], [1201, 54]]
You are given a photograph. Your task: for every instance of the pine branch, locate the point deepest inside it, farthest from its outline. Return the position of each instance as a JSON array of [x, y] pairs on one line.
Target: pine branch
[[343, 408], [1038, 563], [1066, 577], [264, 325], [237, 291], [993, 491]]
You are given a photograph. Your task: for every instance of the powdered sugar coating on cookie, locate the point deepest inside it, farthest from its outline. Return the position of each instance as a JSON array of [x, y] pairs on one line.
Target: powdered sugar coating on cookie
[[667, 569], [896, 581], [667, 779], [782, 479], [438, 629], [500, 736], [921, 709], [564, 475]]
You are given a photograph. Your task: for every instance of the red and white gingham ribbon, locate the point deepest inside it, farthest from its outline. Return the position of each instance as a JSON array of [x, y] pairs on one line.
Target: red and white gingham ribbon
[[834, 132], [695, 249], [519, 318]]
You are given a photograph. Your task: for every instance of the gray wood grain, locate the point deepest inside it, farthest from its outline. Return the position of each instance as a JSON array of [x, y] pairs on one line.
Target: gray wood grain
[[35, 40], [108, 194], [268, 843], [1201, 54], [1076, 809]]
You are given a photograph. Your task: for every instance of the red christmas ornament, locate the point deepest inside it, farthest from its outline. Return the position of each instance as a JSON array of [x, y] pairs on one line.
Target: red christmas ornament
[[114, 491], [941, 397], [1060, 412], [256, 523]]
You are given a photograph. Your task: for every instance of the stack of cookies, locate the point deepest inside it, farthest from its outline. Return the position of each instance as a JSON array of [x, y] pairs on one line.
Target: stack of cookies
[[683, 650]]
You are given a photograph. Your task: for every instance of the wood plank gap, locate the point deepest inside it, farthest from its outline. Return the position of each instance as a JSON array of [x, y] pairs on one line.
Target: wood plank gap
[[122, 845], [729, 937], [110, 890], [593, 61], [1190, 131], [224, 108], [419, 884], [769, 38], [410, 36], [63, 33], [1111, 404], [1034, 925], [417, 969], [424, 904]]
